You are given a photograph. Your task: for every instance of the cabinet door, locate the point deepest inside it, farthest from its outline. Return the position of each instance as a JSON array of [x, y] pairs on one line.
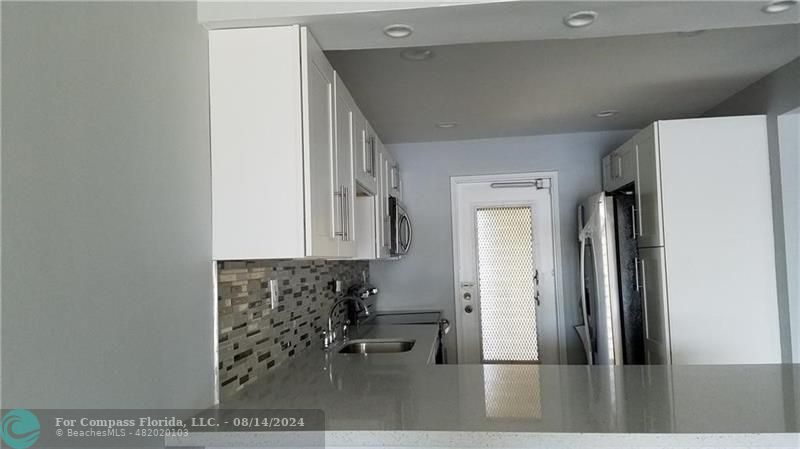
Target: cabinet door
[[651, 283], [648, 190], [395, 183], [322, 213], [365, 158], [608, 183], [619, 167], [256, 143], [626, 165], [345, 180]]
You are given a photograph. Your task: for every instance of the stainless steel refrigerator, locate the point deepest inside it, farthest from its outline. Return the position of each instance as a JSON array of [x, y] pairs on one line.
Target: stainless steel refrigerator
[[611, 328]]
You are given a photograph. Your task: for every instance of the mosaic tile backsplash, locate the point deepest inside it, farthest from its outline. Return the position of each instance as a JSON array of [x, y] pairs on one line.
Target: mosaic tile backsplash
[[255, 338]]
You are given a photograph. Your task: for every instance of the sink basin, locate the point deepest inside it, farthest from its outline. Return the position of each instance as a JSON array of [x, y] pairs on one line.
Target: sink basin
[[377, 346]]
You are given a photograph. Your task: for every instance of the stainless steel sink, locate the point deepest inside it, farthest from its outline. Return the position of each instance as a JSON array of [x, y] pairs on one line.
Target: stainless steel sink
[[377, 346]]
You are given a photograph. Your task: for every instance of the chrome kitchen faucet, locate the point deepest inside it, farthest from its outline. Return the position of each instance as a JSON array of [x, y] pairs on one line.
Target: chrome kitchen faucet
[[329, 336]]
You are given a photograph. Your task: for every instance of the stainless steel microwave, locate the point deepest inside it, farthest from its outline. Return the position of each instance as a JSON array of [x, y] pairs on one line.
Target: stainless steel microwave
[[401, 233]]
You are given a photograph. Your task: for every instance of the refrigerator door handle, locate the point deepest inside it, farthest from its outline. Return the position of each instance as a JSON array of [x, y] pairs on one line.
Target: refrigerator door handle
[[587, 345], [641, 276]]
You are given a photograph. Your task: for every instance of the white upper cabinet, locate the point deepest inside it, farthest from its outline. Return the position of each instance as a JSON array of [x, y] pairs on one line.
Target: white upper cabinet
[[636, 164], [366, 172], [648, 219], [619, 167], [324, 207], [395, 183], [273, 151], [347, 116], [287, 146], [257, 143]]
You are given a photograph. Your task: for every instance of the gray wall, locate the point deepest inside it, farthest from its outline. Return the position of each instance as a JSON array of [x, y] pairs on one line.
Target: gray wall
[[424, 278], [774, 95], [106, 206]]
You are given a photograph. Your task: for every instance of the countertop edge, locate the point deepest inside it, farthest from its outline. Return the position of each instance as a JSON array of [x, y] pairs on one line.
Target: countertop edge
[[533, 440]]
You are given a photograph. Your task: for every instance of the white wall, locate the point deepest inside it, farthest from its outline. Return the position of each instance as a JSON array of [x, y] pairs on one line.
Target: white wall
[[774, 95], [106, 206], [424, 278]]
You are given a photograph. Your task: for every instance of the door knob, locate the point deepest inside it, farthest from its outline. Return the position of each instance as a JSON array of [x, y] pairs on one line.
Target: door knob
[[468, 309]]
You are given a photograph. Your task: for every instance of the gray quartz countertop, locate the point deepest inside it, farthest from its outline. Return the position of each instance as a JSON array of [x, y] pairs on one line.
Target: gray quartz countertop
[[402, 392]]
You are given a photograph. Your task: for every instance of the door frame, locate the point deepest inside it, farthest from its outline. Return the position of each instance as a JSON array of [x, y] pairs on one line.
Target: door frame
[[455, 181]]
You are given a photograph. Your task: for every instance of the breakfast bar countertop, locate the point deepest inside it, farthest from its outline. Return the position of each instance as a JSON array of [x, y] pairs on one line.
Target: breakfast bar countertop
[[401, 394], [401, 391]]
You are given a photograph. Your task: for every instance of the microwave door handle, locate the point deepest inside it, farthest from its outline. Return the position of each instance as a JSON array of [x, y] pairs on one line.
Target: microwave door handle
[[402, 235], [409, 232]]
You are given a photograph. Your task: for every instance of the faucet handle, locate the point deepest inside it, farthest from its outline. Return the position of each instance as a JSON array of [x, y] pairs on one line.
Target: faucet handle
[[327, 339], [345, 328]]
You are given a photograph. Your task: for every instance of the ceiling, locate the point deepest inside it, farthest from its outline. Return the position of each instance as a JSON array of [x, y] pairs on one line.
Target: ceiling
[[555, 86], [348, 25]]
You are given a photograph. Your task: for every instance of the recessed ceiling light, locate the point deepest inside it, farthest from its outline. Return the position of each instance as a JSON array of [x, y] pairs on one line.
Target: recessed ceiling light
[[417, 54], [580, 19], [776, 6], [607, 113], [446, 125], [398, 30]]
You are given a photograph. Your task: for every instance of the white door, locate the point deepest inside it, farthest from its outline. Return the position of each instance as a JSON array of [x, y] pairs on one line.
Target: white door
[[504, 270]]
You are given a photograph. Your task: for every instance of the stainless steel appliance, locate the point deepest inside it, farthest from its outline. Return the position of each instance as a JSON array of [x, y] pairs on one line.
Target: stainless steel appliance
[[401, 233], [612, 327]]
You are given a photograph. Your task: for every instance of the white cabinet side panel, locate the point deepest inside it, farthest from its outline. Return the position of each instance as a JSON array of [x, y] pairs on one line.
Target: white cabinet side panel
[[719, 241], [256, 143]]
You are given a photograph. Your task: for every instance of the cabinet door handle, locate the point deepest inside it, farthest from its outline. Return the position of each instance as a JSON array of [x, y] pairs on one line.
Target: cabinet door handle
[[346, 213], [395, 177], [642, 279], [642, 297], [636, 274], [616, 166], [339, 194], [634, 221], [371, 156]]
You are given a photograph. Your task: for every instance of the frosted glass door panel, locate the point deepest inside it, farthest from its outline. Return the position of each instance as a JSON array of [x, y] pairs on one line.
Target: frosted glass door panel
[[506, 284]]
